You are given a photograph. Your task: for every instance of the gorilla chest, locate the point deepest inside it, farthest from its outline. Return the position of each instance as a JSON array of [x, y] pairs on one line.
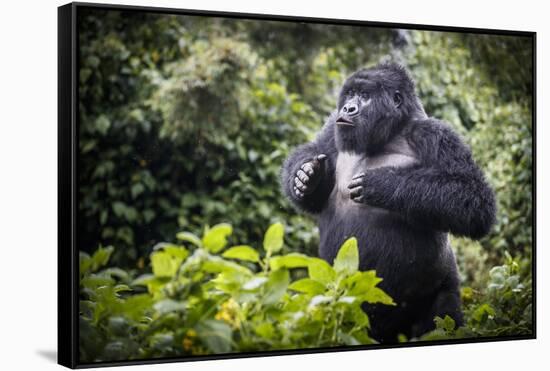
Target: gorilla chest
[[350, 164]]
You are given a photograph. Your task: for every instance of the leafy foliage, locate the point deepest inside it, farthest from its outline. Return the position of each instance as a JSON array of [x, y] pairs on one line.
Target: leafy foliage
[[198, 301], [503, 308]]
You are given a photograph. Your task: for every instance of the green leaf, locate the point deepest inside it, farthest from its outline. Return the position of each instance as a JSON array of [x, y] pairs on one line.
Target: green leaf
[[215, 238], [229, 281], [483, 312], [169, 305], [347, 339], [215, 264], [308, 286], [347, 260], [135, 306], [215, 335], [360, 282], [189, 237], [360, 318], [447, 323], [265, 330], [137, 189], [292, 260], [242, 252], [166, 262], [276, 286], [376, 295], [320, 271], [273, 239], [92, 263], [254, 283], [121, 288]]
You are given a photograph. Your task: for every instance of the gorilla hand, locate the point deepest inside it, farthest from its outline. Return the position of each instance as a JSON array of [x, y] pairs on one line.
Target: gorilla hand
[[358, 189], [308, 176]]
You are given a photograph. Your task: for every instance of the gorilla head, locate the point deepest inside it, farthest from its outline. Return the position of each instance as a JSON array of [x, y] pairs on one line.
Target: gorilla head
[[373, 106]]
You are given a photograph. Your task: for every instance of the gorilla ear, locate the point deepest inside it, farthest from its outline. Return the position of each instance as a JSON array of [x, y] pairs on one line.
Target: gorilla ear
[[397, 99]]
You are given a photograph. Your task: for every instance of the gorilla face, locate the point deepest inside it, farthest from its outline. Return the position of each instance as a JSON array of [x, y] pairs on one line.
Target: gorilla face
[[372, 106]]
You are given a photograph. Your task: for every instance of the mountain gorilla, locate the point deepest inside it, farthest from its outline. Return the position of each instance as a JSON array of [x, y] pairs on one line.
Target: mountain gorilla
[[383, 171]]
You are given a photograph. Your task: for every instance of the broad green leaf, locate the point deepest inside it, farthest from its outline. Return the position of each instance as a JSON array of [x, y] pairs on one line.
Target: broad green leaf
[[229, 281], [376, 295], [265, 330], [359, 317], [320, 271], [189, 237], [165, 263], [273, 239], [276, 286], [292, 260], [215, 335], [215, 238], [254, 283], [347, 259], [121, 274], [135, 306], [242, 252], [215, 264], [100, 258], [161, 341], [308, 286], [143, 279], [169, 305], [361, 282], [92, 281]]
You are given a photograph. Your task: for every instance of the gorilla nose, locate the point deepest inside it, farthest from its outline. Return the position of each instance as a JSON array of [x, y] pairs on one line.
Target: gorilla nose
[[350, 109]]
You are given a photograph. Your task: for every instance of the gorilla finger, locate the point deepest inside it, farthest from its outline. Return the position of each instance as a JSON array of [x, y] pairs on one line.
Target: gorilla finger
[[298, 193], [302, 176], [301, 186], [355, 183], [355, 192], [322, 157], [358, 199], [308, 168], [360, 175]]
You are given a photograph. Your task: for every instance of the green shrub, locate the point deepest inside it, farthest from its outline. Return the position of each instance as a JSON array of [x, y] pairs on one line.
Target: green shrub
[[203, 297], [502, 308]]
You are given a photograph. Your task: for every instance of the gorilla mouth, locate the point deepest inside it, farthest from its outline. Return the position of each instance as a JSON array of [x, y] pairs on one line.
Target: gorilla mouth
[[343, 121]]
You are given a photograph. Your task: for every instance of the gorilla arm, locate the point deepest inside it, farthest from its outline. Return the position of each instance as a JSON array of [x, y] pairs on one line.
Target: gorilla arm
[[308, 173], [445, 191]]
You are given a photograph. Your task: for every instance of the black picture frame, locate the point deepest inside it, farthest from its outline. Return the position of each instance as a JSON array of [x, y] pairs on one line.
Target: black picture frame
[[68, 223]]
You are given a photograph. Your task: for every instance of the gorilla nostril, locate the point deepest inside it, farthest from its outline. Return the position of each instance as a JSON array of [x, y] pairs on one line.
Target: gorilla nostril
[[350, 109]]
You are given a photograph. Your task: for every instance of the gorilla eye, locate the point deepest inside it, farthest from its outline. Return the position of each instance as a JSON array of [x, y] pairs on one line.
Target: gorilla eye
[[397, 98]]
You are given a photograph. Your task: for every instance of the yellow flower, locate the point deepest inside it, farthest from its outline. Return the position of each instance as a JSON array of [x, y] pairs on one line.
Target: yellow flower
[[229, 313], [187, 342]]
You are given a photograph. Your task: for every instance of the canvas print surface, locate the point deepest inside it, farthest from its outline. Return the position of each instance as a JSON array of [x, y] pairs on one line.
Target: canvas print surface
[[249, 186]]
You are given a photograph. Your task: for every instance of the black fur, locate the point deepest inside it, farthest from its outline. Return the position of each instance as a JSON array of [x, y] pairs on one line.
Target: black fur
[[400, 212]]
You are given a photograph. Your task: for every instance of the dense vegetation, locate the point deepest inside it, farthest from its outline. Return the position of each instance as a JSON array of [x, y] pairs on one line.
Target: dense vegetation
[[184, 124]]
